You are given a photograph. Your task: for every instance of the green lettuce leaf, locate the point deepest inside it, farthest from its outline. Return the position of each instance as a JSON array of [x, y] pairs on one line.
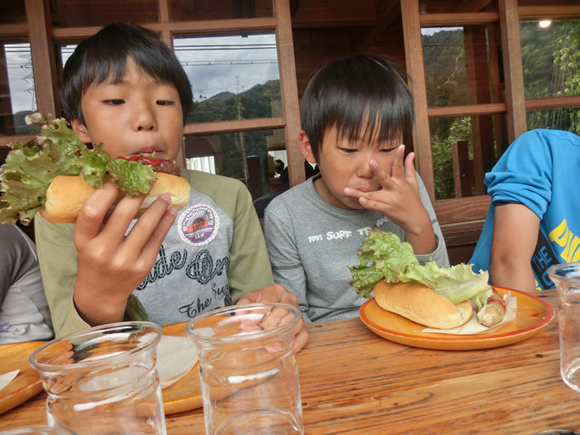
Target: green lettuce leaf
[[384, 256], [30, 168], [132, 178]]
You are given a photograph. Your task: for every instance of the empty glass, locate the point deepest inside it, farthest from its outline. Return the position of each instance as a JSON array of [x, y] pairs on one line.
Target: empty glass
[[567, 279], [248, 371], [37, 430], [103, 380]]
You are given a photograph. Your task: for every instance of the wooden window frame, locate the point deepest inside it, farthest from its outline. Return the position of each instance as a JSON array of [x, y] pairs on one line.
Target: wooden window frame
[[41, 36], [462, 218]]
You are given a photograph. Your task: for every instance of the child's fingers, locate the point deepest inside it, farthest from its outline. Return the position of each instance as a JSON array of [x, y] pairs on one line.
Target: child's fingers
[[410, 168], [380, 174], [94, 211], [398, 171], [151, 249], [151, 227]]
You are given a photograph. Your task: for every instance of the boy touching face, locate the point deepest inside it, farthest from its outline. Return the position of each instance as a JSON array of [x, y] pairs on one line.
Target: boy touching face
[[356, 112], [124, 88]]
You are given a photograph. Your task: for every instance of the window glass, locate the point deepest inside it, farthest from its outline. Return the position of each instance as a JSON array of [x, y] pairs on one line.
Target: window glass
[[17, 96], [550, 58], [257, 158], [567, 119], [463, 150], [461, 65], [80, 13], [233, 77], [199, 10], [13, 12]]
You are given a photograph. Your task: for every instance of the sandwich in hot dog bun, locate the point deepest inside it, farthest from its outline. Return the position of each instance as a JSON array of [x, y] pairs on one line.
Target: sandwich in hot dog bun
[[55, 173], [426, 294]]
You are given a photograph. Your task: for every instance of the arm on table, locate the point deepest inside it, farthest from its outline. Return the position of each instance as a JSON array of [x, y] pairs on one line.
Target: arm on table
[[515, 235], [275, 293]]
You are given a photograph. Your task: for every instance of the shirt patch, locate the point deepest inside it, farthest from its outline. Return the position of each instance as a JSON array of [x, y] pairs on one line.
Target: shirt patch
[[198, 225]]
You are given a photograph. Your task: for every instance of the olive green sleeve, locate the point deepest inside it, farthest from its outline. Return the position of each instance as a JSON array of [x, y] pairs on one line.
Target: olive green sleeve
[[57, 256], [249, 264]]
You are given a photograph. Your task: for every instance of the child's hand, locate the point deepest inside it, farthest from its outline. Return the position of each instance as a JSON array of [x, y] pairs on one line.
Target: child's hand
[[400, 201], [109, 265], [276, 294]]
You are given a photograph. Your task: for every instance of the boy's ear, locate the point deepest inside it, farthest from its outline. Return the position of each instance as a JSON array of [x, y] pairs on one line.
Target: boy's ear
[[80, 130], [306, 148]]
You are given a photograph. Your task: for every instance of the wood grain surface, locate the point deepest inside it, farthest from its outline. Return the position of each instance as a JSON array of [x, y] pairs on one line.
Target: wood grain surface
[[353, 381]]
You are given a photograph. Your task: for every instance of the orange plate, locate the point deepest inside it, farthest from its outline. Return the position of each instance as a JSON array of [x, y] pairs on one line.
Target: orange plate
[[27, 383], [185, 394], [533, 314]]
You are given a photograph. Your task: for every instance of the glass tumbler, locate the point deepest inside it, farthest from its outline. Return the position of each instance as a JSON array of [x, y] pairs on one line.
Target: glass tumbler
[[37, 430], [248, 370], [103, 380], [566, 276]]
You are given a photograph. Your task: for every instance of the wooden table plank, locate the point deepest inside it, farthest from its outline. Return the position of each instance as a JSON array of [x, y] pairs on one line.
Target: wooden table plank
[[353, 381]]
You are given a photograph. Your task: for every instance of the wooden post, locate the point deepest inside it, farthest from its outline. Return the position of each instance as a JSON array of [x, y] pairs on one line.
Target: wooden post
[[42, 51], [289, 90], [513, 71], [416, 70]]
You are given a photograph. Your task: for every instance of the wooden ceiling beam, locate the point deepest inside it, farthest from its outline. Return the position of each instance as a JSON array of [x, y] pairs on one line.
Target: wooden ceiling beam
[[458, 19], [566, 12], [389, 11], [13, 30]]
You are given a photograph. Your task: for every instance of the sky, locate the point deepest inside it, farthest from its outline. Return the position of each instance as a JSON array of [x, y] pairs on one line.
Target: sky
[[213, 65], [223, 63], [20, 77], [227, 63]]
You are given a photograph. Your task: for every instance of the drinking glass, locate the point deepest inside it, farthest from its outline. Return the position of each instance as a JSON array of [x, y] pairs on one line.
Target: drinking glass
[[37, 430], [248, 370], [566, 276], [103, 380]]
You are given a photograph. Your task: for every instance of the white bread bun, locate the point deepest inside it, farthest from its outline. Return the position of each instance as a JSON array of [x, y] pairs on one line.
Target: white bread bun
[[66, 195], [422, 305]]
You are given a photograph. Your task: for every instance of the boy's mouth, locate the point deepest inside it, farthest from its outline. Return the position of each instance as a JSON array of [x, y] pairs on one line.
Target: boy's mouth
[[148, 151]]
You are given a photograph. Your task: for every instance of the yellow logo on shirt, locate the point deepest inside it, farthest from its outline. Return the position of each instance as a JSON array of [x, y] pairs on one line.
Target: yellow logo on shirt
[[566, 239]]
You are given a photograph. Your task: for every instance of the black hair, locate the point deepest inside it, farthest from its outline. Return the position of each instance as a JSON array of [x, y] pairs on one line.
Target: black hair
[[105, 54], [357, 94]]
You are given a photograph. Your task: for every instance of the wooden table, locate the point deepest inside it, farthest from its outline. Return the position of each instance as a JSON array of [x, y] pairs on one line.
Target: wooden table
[[356, 382]]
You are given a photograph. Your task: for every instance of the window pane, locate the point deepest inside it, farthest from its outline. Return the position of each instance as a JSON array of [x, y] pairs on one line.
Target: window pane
[[17, 97], [79, 13], [255, 157], [463, 150], [461, 65], [233, 77], [199, 10], [550, 58], [13, 12], [567, 119]]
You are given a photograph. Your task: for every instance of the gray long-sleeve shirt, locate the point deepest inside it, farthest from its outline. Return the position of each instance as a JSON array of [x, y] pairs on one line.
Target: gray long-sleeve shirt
[[311, 245]]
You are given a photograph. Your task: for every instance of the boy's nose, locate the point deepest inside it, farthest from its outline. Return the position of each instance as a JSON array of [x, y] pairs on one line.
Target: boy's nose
[[364, 170], [145, 120]]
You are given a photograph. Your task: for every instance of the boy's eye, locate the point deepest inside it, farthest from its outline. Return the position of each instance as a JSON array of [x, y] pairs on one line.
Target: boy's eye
[[348, 150], [387, 150], [165, 103], [114, 102]]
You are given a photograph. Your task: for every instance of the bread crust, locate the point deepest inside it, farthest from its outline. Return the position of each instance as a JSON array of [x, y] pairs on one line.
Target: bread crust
[[422, 305], [66, 195]]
